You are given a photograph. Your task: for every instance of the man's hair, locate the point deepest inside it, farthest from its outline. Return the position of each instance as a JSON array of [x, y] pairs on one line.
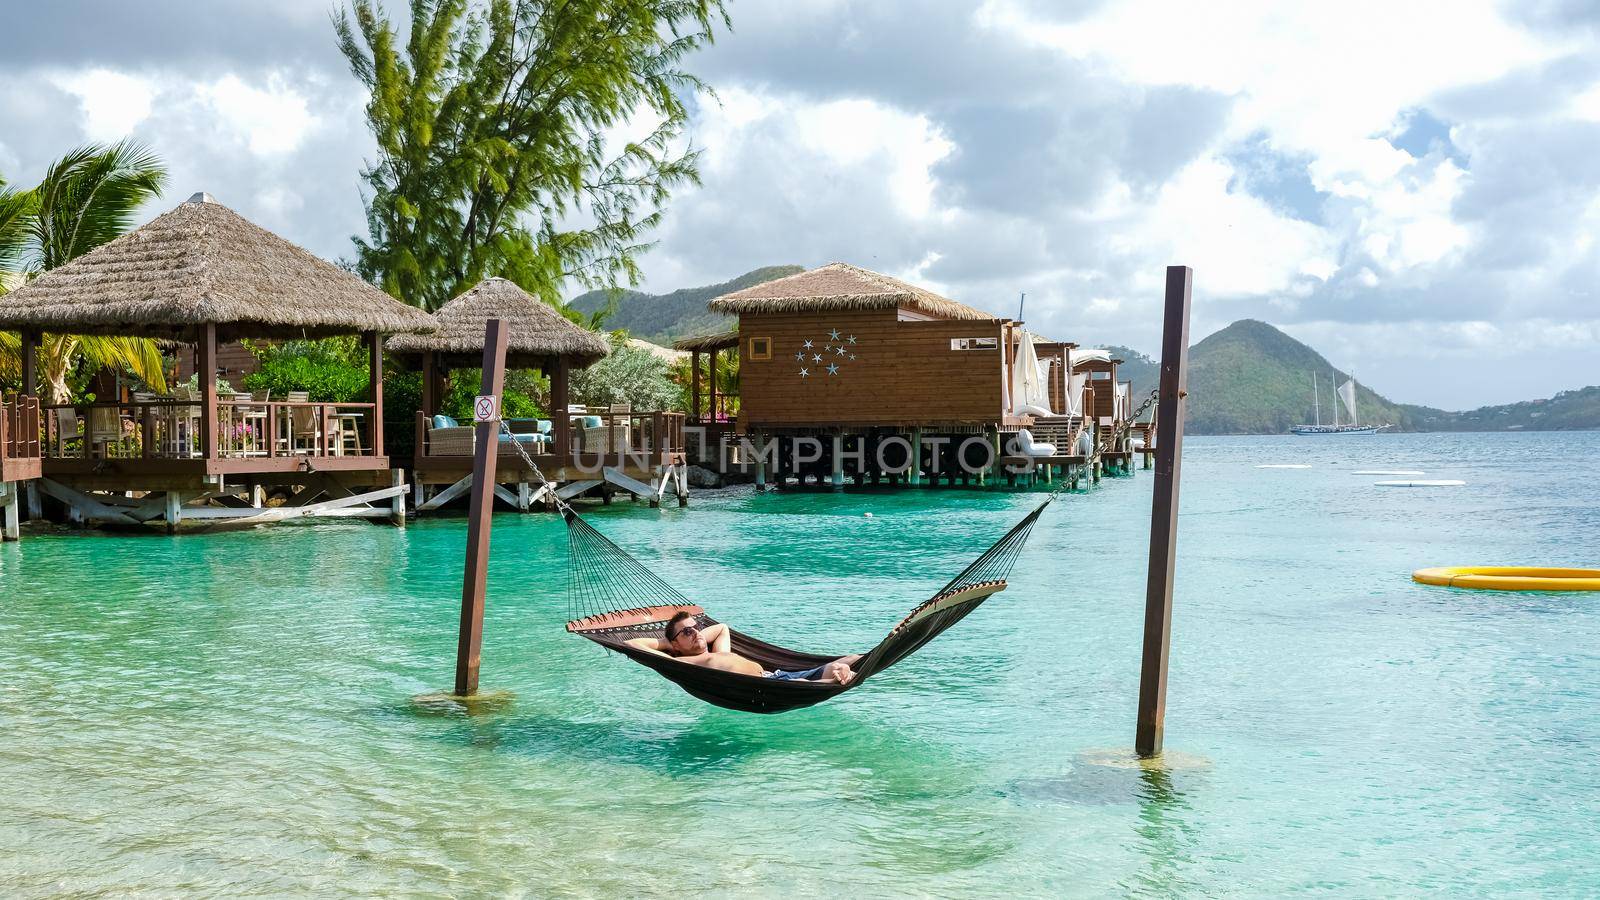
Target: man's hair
[[677, 617]]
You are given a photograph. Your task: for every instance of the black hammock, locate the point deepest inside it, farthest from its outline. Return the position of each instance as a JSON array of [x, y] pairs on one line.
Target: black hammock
[[614, 598]]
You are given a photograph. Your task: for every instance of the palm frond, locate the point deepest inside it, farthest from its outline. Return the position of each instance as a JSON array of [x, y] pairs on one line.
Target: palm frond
[[138, 356]]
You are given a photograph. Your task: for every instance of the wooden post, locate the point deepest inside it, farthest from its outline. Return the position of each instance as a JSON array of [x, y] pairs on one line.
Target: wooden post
[[694, 384], [430, 396], [1164, 514], [374, 342], [12, 528], [485, 453], [560, 398], [915, 475], [713, 389], [30, 363], [838, 461], [208, 390]]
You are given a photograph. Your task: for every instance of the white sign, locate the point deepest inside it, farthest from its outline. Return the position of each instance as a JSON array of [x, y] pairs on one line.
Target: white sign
[[486, 409]]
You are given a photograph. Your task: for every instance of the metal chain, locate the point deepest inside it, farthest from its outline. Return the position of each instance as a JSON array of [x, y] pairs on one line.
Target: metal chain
[[561, 504]]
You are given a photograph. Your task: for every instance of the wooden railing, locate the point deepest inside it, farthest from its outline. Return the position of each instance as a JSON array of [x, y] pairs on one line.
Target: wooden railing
[[19, 428], [617, 432], [173, 429]]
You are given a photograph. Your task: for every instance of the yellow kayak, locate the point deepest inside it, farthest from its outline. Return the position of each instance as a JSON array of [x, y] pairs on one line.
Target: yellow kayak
[[1510, 578]]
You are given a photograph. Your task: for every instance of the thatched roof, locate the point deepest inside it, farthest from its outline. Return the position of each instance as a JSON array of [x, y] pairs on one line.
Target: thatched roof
[[841, 286], [204, 263], [665, 354], [708, 342], [535, 332]]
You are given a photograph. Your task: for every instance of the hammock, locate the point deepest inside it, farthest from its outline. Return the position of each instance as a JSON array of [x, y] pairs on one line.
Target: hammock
[[615, 598]]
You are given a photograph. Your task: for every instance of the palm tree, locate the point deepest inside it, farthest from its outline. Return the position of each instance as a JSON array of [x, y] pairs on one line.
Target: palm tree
[[86, 199]]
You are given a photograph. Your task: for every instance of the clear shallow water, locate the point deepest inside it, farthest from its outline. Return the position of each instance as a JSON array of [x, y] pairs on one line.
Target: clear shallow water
[[229, 714]]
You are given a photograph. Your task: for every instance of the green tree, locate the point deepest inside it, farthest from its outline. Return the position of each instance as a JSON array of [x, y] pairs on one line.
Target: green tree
[[492, 121], [86, 199]]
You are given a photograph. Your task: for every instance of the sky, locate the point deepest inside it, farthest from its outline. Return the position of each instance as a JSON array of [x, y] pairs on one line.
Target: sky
[[1409, 187]]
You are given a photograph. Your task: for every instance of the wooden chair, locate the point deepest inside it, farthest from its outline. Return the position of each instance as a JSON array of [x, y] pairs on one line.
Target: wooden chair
[[105, 431], [304, 427], [67, 429]]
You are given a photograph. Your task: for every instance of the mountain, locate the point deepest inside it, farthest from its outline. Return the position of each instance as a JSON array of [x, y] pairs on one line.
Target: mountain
[[1566, 411], [663, 318], [1251, 378]]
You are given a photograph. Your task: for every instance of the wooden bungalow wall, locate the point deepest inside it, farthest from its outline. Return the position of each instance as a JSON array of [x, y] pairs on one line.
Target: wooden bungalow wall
[[904, 373]]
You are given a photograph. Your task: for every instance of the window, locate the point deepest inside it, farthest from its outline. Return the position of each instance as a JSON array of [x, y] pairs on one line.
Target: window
[[761, 348], [983, 343]]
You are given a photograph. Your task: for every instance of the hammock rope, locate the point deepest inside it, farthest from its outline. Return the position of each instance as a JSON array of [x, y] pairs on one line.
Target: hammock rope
[[612, 598]]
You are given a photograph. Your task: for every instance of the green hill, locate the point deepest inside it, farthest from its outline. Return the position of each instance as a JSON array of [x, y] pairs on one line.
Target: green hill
[[663, 318], [1251, 378]]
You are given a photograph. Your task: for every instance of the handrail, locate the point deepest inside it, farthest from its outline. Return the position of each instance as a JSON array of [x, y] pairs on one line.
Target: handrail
[[169, 428], [19, 428]]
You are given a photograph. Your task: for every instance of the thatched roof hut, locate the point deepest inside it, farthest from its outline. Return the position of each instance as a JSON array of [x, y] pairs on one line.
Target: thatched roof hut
[[536, 333], [707, 343], [841, 286], [202, 263]]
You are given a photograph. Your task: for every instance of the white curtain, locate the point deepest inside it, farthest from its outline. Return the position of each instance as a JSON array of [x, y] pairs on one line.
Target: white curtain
[[1075, 393], [1032, 397]]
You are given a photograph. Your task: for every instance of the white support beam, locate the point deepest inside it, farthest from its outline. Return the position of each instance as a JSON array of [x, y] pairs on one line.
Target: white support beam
[[628, 483], [448, 494], [326, 507], [81, 506], [505, 496], [567, 492]]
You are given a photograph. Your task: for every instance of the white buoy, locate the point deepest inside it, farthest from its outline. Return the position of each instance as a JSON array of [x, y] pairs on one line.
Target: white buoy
[[1438, 483], [868, 515], [1387, 472], [1285, 466]]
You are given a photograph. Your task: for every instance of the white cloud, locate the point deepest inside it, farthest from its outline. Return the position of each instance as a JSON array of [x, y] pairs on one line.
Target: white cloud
[[272, 119], [113, 103]]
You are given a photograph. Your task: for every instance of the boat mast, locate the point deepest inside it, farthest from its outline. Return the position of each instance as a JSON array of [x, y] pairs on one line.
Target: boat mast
[[1316, 403]]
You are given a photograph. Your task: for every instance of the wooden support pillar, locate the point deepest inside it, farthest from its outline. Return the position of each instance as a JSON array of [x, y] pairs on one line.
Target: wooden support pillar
[[485, 454], [430, 384], [30, 362], [374, 342], [915, 474], [174, 511], [397, 503], [694, 385], [761, 461], [207, 367], [1174, 381], [561, 398], [35, 504], [11, 527], [838, 461], [714, 355]]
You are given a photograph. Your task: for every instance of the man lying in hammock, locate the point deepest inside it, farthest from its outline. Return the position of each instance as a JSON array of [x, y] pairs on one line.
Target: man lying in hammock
[[711, 647]]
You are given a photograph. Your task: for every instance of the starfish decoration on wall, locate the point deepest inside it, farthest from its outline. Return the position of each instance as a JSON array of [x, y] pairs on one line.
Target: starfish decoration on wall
[[804, 373], [831, 356], [833, 335], [833, 368]]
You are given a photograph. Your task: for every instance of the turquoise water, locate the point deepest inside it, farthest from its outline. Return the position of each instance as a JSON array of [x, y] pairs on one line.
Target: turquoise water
[[230, 714]]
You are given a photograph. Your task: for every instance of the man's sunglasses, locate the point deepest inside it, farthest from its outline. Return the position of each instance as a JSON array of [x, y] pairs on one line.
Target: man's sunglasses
[[687, 629]]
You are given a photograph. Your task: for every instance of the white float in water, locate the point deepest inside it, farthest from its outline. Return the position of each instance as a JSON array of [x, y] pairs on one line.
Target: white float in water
[[1285, 466], [1387, 472], [1439, 483]]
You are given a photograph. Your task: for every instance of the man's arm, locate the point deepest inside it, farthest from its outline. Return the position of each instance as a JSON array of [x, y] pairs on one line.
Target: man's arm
[[718, 638], [654, 645]]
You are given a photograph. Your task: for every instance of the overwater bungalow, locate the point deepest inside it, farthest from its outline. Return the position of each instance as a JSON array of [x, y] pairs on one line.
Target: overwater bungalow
[[578, 449], [881, 370], [201, 275], [1108, 401]]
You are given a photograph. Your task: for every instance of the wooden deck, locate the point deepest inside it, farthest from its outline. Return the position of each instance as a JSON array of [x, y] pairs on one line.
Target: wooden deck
[[174, 462], [640, 454]]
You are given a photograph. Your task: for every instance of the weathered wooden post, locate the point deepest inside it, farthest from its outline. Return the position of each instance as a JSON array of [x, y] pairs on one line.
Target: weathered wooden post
[[485, 453], [1164, 514]]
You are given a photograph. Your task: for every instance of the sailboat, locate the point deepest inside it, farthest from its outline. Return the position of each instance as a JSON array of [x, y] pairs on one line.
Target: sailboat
[[1345, 395]]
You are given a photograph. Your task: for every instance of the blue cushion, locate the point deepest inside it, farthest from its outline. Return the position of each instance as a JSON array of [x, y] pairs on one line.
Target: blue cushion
[[520, 438], [444, 421], [545, 425], [591, 421]]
